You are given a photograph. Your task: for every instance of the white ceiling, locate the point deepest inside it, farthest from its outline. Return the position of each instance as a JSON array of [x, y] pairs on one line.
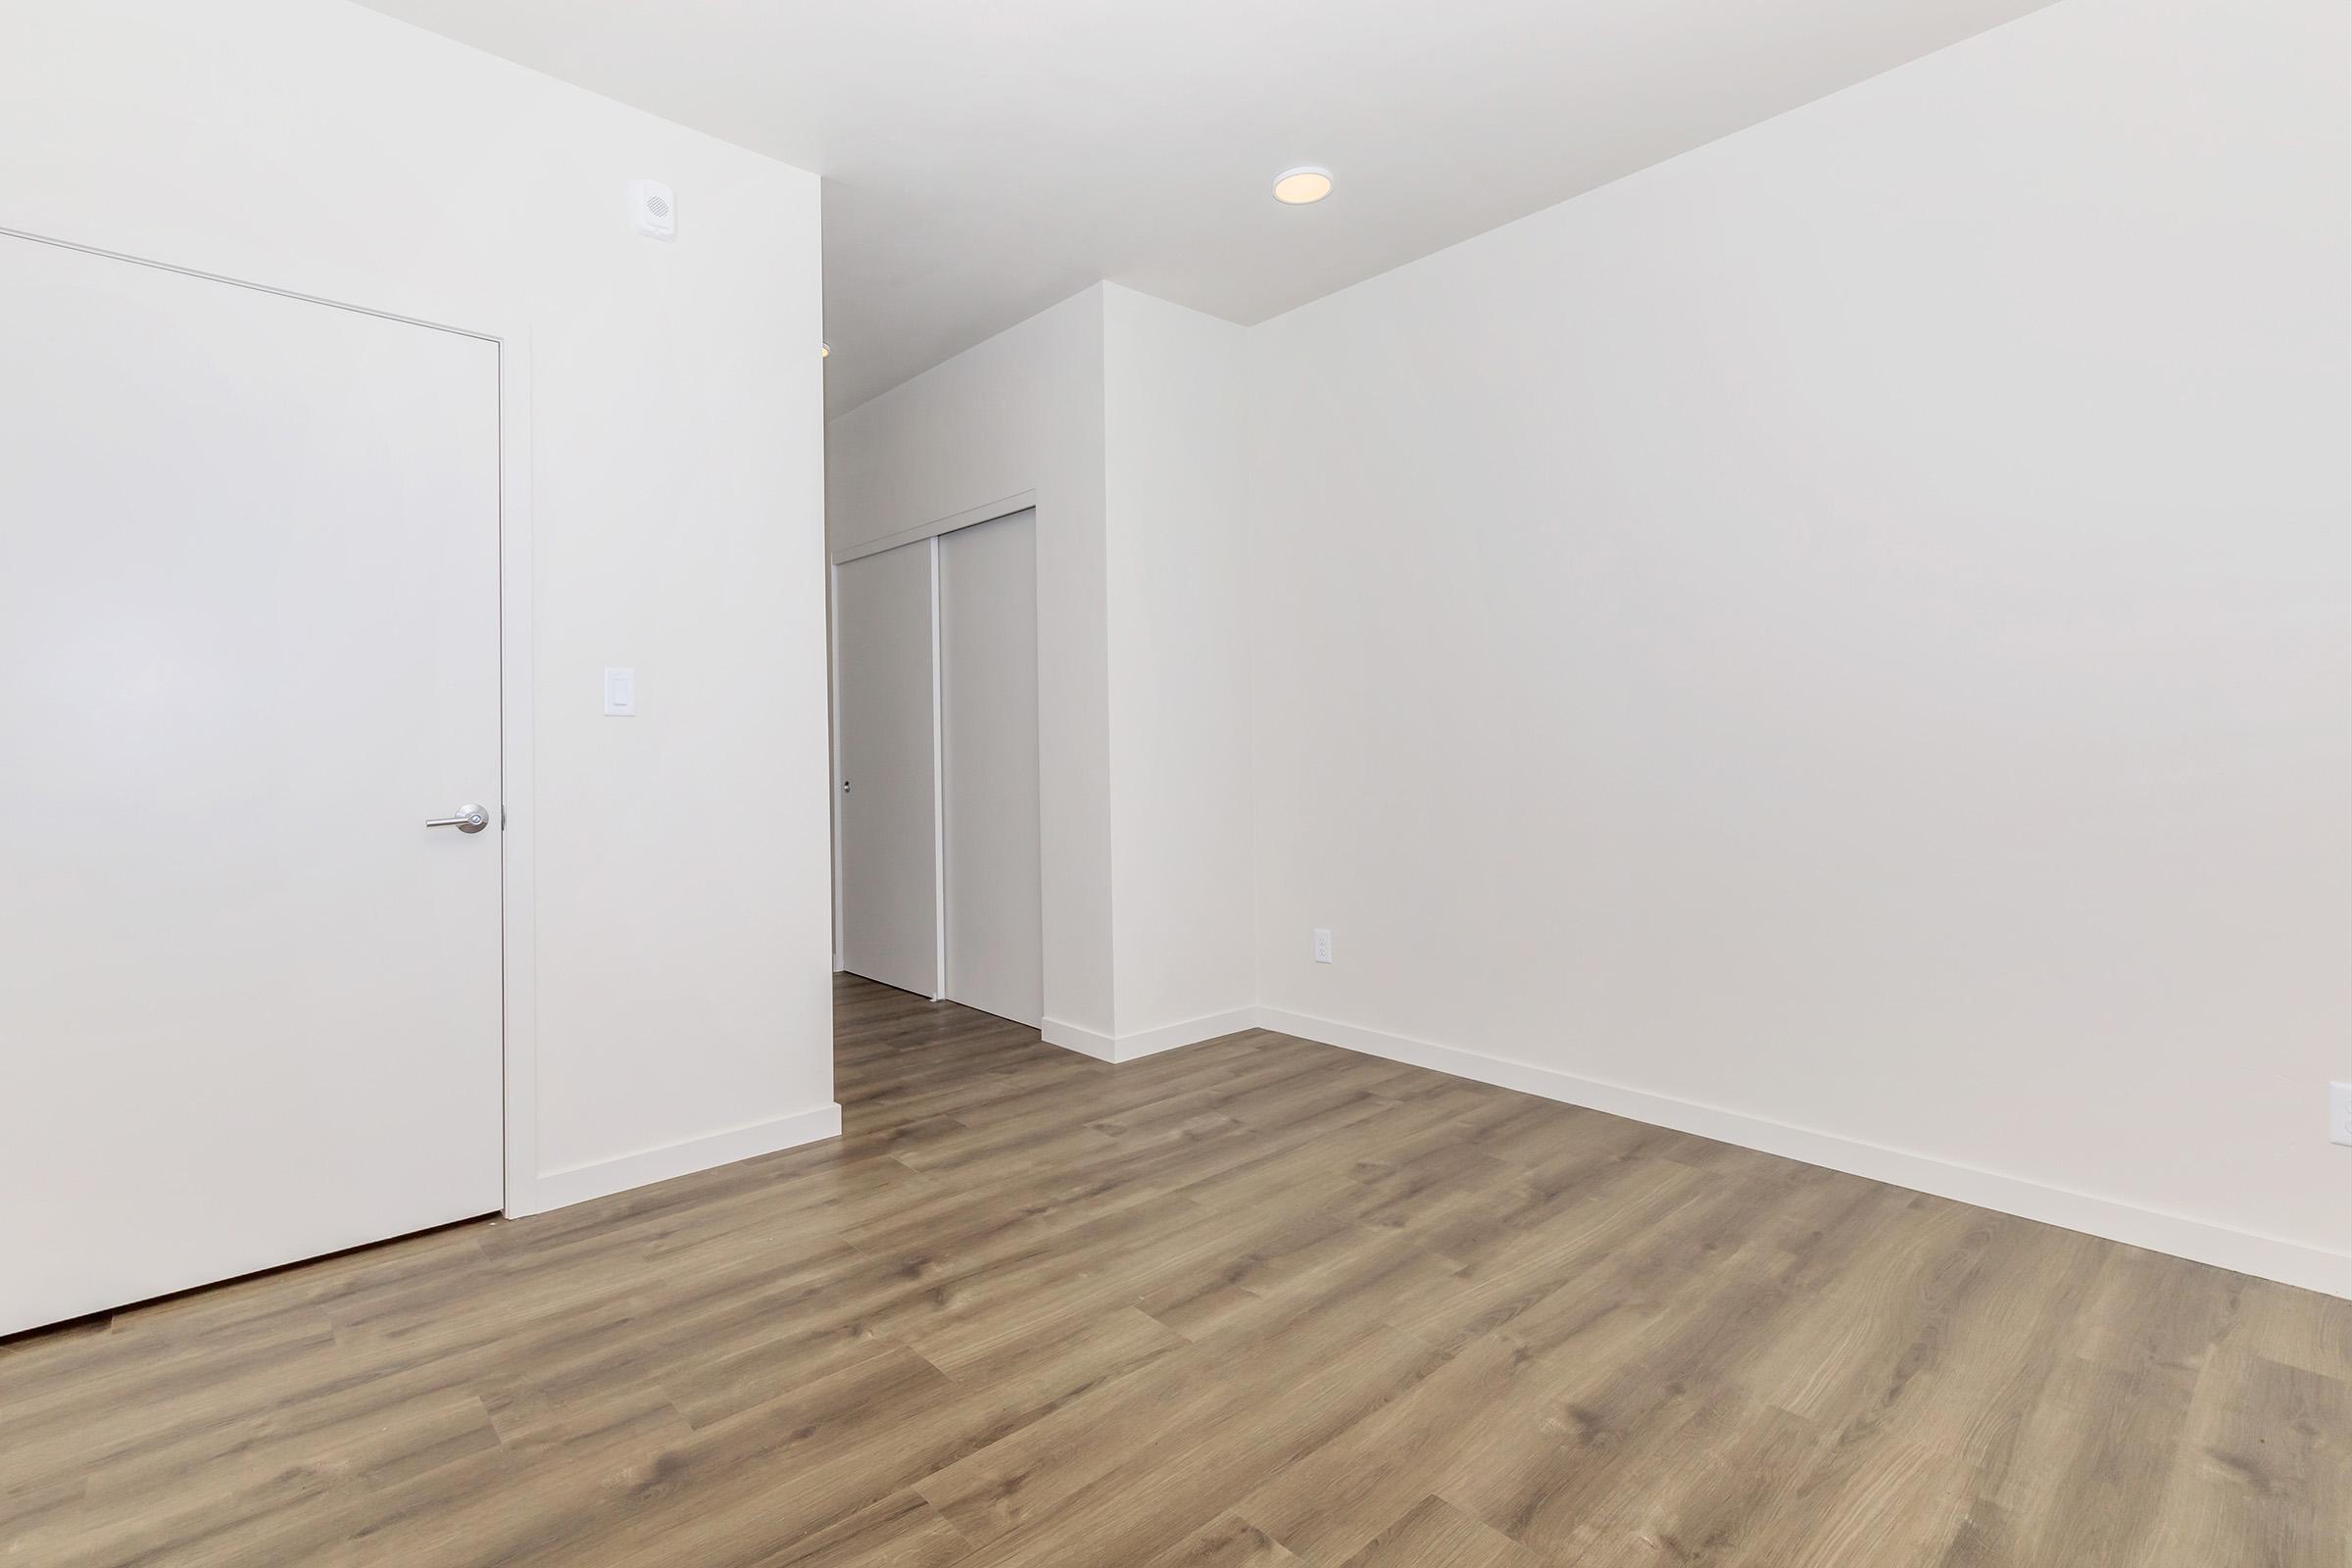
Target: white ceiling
[[986, 158]]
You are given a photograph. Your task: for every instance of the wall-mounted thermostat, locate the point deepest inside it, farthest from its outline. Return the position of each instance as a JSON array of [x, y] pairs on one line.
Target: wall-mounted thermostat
[[653, 209]]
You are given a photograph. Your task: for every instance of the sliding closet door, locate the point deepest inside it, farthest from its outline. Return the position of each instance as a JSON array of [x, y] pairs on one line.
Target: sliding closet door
[[988, 664], [889, 821]]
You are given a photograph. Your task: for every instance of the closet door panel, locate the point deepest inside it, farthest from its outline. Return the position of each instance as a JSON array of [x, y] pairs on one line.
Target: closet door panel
[[887, 784], [988, 666]]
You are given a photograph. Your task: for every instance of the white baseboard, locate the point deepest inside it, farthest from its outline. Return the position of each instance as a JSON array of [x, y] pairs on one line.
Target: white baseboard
[[1190, 1032], [1146, 1041], [1086, 1041], [2269, 1258], [602, 1178]]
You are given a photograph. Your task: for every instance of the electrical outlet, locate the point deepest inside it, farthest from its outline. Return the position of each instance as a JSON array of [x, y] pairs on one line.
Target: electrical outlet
[[1322, 947], [2340, 1113]]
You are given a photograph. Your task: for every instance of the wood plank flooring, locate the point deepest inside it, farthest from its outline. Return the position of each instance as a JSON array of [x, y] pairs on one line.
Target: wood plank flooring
[[1253, 1303]]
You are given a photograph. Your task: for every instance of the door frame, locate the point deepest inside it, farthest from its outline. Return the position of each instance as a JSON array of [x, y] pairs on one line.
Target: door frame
[[928, 533], [510, 335]]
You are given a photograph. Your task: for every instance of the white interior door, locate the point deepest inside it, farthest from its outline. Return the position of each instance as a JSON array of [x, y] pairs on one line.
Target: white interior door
[[249, 1000], [988, 670], [886, 721]]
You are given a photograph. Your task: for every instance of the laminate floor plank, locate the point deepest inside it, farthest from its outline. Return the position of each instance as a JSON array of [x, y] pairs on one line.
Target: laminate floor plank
[[1256, 1302]]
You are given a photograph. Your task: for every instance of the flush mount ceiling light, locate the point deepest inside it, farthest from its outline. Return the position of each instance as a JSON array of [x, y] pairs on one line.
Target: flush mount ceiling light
[[824, 351], [1296, 187]]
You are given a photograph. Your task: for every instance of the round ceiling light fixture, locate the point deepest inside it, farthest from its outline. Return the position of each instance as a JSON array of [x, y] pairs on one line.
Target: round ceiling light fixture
[[824, 351], [1296, 187]]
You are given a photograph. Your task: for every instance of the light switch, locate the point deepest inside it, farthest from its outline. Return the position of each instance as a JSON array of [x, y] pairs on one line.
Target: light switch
[[620, 694]]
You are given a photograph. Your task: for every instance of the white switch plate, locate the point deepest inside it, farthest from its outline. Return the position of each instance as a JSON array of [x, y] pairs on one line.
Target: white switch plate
[[2340, 1113], [620, 694], [1322, 945]]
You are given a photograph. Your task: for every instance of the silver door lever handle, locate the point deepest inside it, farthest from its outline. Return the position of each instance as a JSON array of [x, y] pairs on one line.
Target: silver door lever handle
[[469, 820]]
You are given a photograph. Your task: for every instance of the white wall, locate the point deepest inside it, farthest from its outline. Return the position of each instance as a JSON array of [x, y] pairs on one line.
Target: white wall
[[1020, 413], [1178, 620], [682, 923], [1850, 630]]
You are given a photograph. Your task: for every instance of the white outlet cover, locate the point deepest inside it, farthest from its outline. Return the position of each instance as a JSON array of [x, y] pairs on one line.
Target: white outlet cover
[[2340, 1113], [1322, 945]]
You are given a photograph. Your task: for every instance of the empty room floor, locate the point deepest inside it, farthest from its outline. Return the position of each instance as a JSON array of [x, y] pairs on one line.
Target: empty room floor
[[1255, 1301]]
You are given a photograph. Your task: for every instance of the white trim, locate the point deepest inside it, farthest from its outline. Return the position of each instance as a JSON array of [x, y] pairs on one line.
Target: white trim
[[968, 518], [516, 600], [833, 737], [1146, 1041], [939, 792], [518, 816], [577, 1184], [1071, 1037], [1189, 1032], [2268, 1257], [250, 283]]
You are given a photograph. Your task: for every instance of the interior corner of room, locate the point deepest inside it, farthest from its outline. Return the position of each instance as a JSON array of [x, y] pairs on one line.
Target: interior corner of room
[[725, 836]]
